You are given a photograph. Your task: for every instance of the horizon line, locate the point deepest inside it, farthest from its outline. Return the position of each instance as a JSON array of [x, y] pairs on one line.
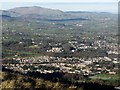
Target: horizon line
[[62, 10]]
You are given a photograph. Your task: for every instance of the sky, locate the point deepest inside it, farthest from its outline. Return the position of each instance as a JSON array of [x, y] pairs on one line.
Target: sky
[[46, 1], [65, 5]]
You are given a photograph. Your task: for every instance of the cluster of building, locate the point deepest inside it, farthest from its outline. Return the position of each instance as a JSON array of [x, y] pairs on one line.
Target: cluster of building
[[48, 64]]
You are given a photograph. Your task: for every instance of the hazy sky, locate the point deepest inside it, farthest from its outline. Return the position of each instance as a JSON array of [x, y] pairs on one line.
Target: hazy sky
[[66, 5], [59, 1]]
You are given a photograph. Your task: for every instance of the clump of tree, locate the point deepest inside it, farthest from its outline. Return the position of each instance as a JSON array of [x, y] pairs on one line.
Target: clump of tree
[[16, 81]]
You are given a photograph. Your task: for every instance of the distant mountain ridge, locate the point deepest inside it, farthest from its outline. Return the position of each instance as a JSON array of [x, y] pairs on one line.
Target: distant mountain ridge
[[36, 10], [45, 14], [38, 13]]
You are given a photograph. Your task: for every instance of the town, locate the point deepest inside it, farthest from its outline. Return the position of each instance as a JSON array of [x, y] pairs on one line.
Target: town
[[72, 48], [47, 64]]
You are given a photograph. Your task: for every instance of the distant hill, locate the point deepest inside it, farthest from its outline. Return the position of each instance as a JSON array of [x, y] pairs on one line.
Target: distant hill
[[36, 12], [46, 14]]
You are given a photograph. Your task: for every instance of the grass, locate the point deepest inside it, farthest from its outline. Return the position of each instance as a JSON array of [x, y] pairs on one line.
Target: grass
[[11, 54], [106, 77]]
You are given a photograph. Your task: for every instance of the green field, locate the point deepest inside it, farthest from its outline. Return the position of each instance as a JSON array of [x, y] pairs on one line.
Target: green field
[[105, 77]]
